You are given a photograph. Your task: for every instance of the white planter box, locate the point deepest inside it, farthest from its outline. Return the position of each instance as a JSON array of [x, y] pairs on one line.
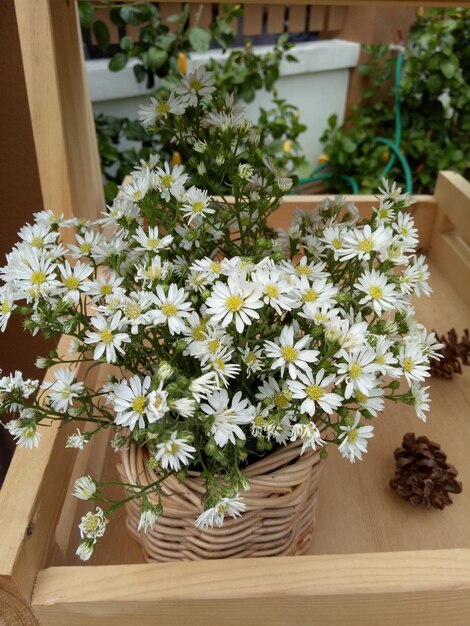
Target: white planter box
[[317, 85]]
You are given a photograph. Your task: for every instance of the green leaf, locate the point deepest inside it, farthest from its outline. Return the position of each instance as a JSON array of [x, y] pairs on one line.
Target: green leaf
[[86, 13], [118, 62], [165, 41], [135, 14], [434, 83], [101, 33], [139, 72], [126, 43], [156, 58], [199, 38], [448, 68]]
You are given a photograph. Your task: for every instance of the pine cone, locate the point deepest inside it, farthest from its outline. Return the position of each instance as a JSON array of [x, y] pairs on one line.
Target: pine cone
[[423, 477], [453, 353]]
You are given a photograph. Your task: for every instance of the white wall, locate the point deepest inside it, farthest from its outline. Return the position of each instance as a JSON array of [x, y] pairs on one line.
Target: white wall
[[317, 85]]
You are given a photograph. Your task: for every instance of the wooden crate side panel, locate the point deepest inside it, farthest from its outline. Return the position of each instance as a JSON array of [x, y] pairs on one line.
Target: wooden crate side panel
[[428, 587], [30, 503], [60, 106], [450, 240]]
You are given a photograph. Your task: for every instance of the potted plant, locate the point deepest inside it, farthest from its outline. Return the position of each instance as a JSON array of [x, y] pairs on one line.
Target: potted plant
[[236, 354]]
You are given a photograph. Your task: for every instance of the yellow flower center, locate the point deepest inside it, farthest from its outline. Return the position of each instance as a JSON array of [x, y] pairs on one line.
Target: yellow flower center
[[174, 448], [37, 242], [213, 345], [137, 194], [198, 333], [215, 267], [360, 397], [315, 392], [408, 364], [353, 436], [105, 290], [196, 85], [169, 309], [91, 524], [259, 421], [153, 242], [5, 307], [85, 247], [161, 108], [303, 270], [250, 358], [366, 245], [234, 303], [272, 291], [310, 296], [71, 282], [281, 400], [198, 207], [139, 403], [167, 180], [106, 336], [380, 359], [355, 370], [336, 243], [37, 278], [321, 317], [132, 310], [219, 364], [376, 292], [289, 353]]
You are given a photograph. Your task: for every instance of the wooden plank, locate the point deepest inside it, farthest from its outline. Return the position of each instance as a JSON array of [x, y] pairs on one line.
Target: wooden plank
[[403, 3], [60, 107], [253, 19], [297, 18], [317, 19], [169, 8], [276, 19], [30, 501], [451, 234], [336, 18], [428, 587]]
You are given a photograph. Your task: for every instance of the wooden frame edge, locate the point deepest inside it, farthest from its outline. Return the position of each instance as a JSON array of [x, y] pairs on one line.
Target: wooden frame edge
[[422, 587]]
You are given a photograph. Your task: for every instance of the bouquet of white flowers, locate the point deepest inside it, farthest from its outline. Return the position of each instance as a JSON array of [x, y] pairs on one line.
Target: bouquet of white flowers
[[226, 340]]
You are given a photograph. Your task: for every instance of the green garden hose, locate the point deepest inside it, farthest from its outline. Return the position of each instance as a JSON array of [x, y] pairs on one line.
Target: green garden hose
[[394, 147]]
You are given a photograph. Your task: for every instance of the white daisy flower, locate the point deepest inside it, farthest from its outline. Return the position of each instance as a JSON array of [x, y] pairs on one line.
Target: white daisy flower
[[171, 308], [358, 371], [196, 204], [226, 419], [38, 235], [385, 360], [374, 402], [7, 306], [280, 397], [252, 358], [154, 270], [197, 84], [26, 436], [151, 241], [77, 440], [104, 285], [85, 549], [317, 294], [312, 271], [421, 287], [159, 109], [136, 310], [186, 407], [87, 245], [216, 514], [289, 354], [93, 525], [362, 242], [309, 434], [392, 192], [171, 181], [354, 439], [130, 400], [275, 290], [204, 385], [74, 280], [414, 363], [174, 453], [107, 339], [157, 404], [280, 431], [211, 268], [48, 218], [33, 273], [138, 187], [406, 231], [379, 292], [421, 400], [148, 517], [64, 390], [237, 300], [333, 237], [312, 390], [84, 488]]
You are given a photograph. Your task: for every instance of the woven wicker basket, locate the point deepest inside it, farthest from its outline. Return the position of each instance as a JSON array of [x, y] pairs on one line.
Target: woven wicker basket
[[279, 517]]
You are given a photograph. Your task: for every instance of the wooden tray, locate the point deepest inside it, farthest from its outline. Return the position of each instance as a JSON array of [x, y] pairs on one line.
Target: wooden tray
[[374, 559]]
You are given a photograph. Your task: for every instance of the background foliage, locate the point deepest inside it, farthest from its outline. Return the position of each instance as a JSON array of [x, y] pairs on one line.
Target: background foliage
[[435, 101]]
